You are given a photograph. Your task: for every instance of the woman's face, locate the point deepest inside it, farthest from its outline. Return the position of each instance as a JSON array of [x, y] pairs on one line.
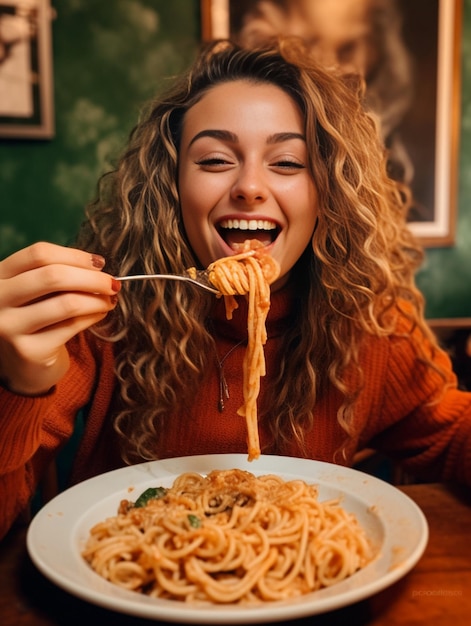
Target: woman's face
[[243, 174]]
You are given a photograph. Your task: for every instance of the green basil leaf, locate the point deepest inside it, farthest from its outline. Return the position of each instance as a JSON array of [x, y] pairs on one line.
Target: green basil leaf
[[152, 493]]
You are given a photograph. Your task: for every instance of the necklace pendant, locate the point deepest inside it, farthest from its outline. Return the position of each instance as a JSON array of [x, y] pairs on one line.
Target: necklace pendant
[[223, 390], [223, 386]]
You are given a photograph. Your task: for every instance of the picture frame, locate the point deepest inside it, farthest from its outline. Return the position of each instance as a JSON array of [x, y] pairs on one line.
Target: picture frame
[[26, 76], [431, 127]]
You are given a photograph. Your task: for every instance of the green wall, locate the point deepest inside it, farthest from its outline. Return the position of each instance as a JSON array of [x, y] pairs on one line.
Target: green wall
[[109, 58]]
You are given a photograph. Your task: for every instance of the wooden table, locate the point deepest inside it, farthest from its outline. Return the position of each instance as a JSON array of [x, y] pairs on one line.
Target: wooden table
[[436, 592]]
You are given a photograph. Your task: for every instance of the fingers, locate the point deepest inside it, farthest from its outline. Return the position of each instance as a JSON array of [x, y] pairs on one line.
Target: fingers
[[48, 294], [49, 280], [44, 270], [33, 338], [33, 363], [52, 311], [43, 254], [46, 285], [43, 346]]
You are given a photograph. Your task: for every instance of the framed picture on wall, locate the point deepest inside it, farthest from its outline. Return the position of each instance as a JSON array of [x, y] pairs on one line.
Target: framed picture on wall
[[26, 96], [409, 54]]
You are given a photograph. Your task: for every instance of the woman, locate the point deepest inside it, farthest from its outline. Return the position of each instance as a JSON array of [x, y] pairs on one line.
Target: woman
[[249, 144]]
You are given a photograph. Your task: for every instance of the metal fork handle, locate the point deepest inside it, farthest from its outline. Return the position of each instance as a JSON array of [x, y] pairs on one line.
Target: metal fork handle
[[168, 277]]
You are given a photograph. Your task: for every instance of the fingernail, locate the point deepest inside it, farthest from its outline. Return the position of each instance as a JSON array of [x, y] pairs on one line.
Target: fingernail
[[115, 285], [114, 300], [98, 261]]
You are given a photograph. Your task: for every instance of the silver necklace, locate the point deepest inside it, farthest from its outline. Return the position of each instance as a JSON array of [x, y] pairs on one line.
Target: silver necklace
[[223, 386]]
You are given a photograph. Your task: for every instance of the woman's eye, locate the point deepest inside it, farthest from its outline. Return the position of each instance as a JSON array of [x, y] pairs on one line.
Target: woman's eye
[[286, 164], [212, 162]]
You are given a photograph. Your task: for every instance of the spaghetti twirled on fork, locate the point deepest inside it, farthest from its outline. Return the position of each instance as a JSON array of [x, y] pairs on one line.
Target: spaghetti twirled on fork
[[251, 271]]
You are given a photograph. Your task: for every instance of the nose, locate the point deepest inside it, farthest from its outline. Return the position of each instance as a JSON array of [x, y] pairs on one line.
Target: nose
[[250, 185]]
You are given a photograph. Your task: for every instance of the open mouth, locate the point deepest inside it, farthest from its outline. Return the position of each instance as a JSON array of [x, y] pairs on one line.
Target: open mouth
[[235, 232]]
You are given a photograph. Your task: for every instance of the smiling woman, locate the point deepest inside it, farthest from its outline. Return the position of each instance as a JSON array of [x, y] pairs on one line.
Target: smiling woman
[[243, 147], [264, 139]]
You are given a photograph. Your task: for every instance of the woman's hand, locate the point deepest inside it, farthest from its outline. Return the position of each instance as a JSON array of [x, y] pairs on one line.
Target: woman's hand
[[48, 294]]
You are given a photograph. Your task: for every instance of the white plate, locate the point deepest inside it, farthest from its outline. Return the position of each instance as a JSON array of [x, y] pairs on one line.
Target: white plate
[[59, 530]]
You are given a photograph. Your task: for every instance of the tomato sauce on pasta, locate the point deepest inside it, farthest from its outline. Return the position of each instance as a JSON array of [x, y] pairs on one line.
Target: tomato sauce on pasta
[[228, 537]]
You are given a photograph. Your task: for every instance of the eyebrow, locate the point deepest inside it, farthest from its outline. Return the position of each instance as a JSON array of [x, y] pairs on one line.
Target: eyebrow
[[226, 135]]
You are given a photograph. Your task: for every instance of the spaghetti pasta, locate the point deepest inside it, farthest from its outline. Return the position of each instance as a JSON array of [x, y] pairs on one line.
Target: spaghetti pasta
[[229, 537], [251, 272]]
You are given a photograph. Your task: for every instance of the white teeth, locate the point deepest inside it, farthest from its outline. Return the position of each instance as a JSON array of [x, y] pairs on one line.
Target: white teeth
[[248, 224]]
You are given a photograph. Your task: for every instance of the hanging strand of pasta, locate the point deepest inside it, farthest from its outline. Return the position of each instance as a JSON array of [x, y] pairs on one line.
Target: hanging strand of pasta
[[249, 272]]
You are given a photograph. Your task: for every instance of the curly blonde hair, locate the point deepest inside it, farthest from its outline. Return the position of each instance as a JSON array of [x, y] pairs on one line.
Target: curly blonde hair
[[360, 267]]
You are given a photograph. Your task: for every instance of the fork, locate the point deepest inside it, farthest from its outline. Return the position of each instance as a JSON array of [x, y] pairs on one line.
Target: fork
[[201, 279]]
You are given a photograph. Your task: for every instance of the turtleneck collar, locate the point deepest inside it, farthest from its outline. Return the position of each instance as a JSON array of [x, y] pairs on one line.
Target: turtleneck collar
[[282, 304]]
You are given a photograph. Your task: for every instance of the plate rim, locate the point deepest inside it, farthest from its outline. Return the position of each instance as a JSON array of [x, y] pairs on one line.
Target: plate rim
[[174, 611]]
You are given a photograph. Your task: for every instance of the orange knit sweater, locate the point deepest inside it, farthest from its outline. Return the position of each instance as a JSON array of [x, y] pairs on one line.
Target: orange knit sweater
[[392, 415]]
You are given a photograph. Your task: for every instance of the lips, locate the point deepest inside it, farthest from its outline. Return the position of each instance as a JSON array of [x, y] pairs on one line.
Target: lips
[[236, 231]]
